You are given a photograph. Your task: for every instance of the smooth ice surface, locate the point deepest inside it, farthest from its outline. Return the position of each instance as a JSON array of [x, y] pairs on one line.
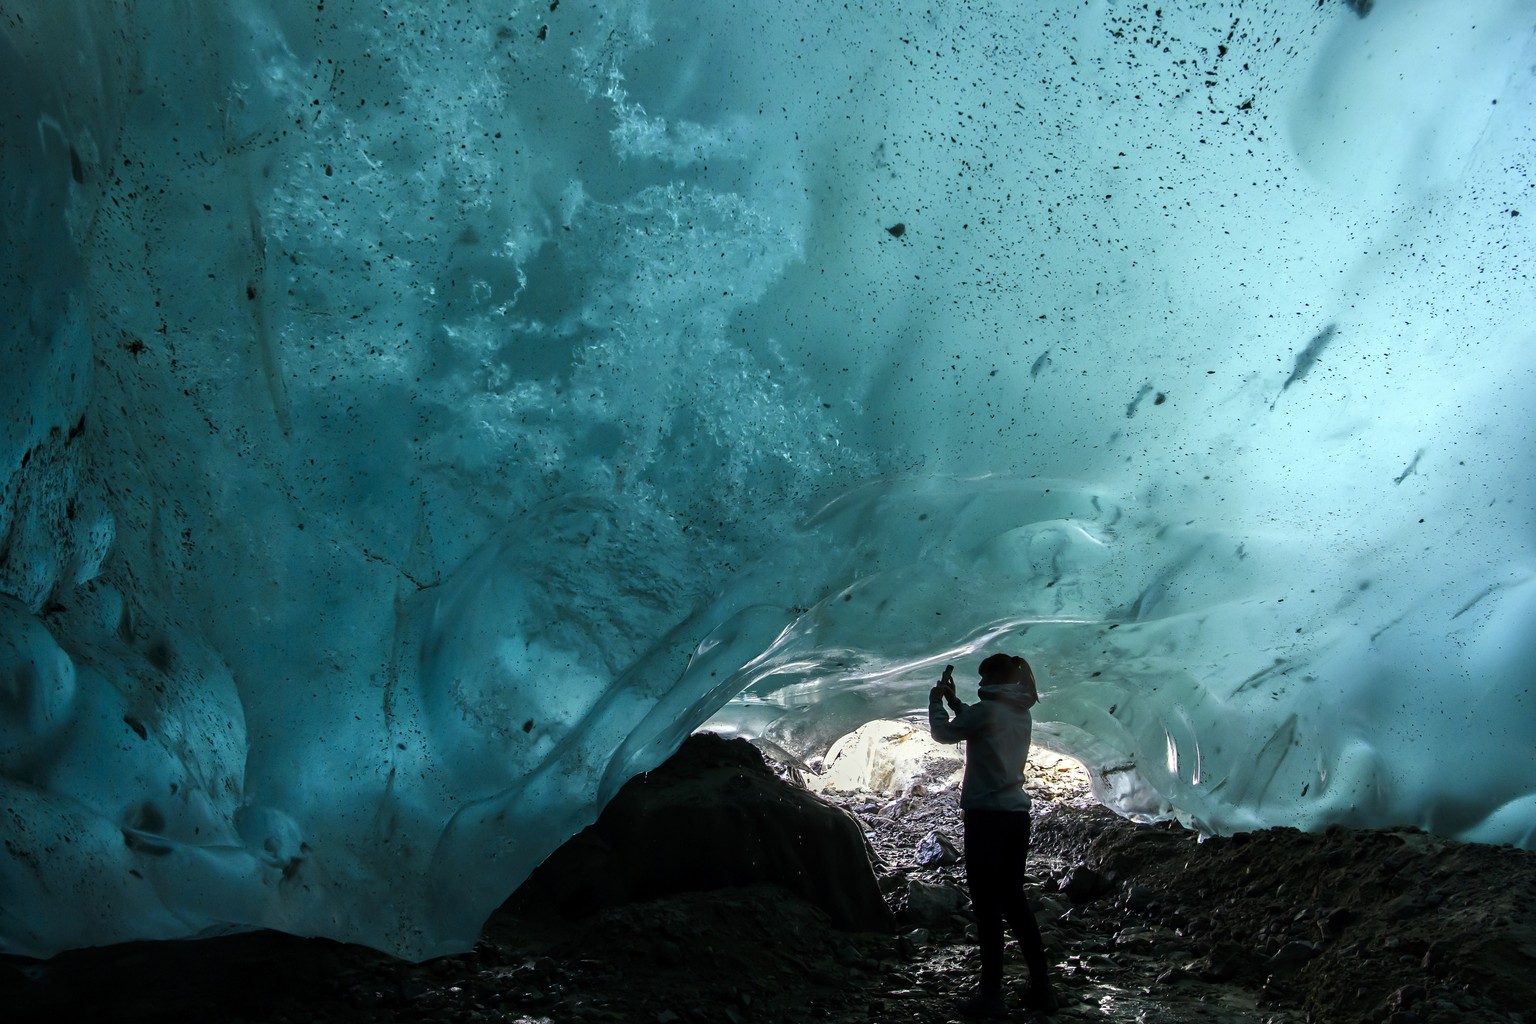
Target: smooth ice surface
[[418, 417]]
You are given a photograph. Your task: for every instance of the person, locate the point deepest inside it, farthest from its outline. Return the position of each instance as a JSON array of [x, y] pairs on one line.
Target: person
[[995, 812]]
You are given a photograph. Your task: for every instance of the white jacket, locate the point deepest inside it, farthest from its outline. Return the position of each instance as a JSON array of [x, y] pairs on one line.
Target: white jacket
[[996, 730]]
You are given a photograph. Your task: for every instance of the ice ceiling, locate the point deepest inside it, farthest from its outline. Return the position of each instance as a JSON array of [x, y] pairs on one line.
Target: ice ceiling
[[420, 416]]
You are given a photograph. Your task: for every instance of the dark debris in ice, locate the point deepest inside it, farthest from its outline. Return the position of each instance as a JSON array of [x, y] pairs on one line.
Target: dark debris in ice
[[1307, 358]]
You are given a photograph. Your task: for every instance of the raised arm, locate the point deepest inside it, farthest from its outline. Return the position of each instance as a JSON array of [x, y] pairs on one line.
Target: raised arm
[[939, 724]]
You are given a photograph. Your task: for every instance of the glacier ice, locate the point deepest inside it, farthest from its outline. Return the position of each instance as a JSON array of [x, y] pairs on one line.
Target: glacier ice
[[419, 418]]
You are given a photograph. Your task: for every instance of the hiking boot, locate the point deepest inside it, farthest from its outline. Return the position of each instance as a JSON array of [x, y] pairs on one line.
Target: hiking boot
[[986, 1003]]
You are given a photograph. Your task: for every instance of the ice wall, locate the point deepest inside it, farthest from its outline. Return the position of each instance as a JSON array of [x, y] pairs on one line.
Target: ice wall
[[418, 418]]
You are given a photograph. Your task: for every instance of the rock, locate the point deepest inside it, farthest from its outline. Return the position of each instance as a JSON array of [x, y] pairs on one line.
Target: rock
[[713, 816], [1051, 908], [1291, 957], [847, 956], [1406, 996], [1139, 899], [936, 851], [1335, 920], [1225, 962], [1082, 884], [933, 906], [1132, 938]]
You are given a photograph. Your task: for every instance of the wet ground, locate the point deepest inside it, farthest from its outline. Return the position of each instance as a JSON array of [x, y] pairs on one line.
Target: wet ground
[[1143, 923]]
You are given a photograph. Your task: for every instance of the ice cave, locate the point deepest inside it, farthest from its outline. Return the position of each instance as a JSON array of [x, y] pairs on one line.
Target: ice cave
[[419, 417]]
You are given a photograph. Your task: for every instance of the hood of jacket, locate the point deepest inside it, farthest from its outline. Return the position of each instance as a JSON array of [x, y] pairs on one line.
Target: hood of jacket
[[1008, 693]]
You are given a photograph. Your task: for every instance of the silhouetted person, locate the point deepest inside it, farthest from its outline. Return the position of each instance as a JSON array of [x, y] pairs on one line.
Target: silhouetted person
[[995, 809]]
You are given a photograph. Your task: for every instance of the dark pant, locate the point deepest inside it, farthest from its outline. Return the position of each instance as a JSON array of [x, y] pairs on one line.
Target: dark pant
[[996, 844]]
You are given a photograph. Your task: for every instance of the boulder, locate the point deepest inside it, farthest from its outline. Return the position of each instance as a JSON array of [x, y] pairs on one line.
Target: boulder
[[713, 816], [934, 850], [934, 906]]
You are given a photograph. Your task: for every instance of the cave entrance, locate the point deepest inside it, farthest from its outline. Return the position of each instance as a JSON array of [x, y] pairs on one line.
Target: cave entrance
[[898, 759]]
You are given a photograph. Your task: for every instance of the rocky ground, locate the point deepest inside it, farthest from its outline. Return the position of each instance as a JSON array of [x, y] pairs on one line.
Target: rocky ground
[[1143, 923]]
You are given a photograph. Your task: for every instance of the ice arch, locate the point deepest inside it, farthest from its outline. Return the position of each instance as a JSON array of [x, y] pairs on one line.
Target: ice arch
[[418, 418]]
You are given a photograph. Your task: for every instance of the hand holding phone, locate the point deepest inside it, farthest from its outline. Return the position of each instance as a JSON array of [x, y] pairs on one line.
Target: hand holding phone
[[947, 685]]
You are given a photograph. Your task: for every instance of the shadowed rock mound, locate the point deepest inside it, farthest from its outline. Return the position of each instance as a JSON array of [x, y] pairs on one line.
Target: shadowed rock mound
[[713, 816]]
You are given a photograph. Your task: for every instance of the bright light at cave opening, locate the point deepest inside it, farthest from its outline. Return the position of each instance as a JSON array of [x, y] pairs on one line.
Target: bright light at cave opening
[[894, 757]]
